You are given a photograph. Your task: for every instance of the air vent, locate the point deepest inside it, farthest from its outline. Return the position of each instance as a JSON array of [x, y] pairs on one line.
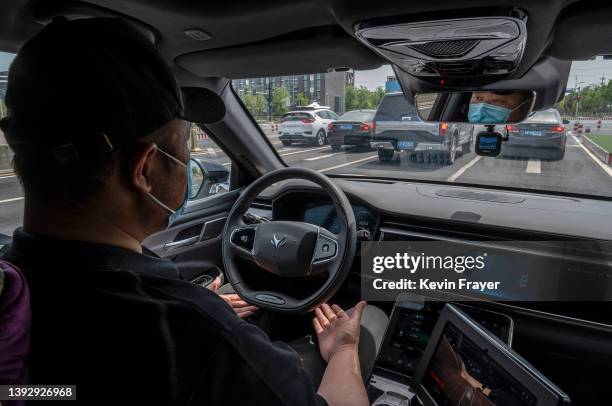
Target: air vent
[[446, 49], [482, 196]]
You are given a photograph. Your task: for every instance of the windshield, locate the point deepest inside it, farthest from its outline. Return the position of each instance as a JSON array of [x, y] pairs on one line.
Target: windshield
[[565, 149], [395, 107], [296, 117], [361, 115], [547, 116]]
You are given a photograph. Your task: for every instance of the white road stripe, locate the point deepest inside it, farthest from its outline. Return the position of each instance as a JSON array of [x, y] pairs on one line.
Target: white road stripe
[[349, 163], [603, 166], [318, 157], [208, 151], [14, 199], [302, 151], [464, 168], [8, 176], [534, 166]]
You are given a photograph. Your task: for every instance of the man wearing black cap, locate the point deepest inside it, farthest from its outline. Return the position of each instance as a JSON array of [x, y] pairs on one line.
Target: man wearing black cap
[[95, 121]]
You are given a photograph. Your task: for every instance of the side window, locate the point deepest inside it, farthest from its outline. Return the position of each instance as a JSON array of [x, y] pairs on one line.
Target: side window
[[333, 115], [322, 114], [11, 204], [210, 174]]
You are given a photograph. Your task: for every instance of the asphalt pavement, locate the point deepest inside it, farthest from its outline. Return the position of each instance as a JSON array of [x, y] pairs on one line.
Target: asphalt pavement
[[578, 172]]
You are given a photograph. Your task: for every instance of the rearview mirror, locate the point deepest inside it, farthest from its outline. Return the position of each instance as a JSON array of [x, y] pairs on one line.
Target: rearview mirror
[[476, 107]]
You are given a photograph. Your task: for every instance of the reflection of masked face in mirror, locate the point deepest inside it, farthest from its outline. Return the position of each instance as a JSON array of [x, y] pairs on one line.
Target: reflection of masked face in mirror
[[500, 107]]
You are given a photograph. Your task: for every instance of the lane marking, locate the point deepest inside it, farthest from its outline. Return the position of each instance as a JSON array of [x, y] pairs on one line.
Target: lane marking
[[318, 157], [534, 166], [302, 151], [8, 176], [603, 166], [464, 168], [349, 163], [14, 199]]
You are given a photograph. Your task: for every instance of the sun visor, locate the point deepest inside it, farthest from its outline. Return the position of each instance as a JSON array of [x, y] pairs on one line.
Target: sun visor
[[321, 49], [583, 32]]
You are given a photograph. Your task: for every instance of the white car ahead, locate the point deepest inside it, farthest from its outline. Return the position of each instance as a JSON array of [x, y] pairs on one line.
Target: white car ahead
[[309, 126]]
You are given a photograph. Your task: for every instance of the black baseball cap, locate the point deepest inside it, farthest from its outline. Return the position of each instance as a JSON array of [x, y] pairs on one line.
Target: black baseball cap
[[82, 87]]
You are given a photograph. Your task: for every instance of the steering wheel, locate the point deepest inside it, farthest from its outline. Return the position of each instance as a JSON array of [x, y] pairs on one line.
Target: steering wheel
[[289, 249]]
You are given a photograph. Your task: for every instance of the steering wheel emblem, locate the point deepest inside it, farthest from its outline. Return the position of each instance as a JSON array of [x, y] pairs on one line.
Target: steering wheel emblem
[[278, 242]]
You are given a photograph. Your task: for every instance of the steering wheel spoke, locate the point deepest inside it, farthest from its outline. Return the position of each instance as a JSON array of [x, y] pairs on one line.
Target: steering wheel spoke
[[325, 252], [242, 241]]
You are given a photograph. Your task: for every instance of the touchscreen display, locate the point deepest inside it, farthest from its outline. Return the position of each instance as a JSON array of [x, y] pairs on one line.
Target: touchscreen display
[[412, 324], [461, 373]]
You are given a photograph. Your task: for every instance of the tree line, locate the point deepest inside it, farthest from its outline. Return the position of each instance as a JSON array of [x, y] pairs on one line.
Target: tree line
[[355, 98], [594, 100]]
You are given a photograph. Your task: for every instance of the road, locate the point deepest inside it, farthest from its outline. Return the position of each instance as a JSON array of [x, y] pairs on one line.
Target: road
[[578, 172]]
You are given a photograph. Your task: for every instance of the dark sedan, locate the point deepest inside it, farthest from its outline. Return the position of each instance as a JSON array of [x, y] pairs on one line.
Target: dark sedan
[[542, 135], [354, 128]]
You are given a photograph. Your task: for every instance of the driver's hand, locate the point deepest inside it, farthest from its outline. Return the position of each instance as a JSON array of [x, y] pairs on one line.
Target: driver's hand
[[337, 330], [240, 307], [215, 284]]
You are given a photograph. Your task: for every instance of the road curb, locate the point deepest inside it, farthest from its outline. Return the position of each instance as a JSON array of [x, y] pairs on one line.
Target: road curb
[[603, 155]]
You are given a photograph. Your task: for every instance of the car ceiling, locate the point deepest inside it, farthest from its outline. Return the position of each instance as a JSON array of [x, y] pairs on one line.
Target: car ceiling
[[275, 37]]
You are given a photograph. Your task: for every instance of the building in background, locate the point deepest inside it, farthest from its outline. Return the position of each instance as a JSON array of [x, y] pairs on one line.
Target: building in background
[[327, 89], [350, 78], [392, 85]]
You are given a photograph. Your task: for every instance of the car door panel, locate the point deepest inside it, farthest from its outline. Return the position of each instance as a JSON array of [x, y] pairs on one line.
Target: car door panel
[[193, 242]]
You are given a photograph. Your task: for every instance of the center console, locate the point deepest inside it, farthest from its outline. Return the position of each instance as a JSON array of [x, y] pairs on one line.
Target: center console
[[436, 353], [412, 322]]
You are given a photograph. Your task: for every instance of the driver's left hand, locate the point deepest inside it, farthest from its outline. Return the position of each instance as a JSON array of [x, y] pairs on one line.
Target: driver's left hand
[[242, 308]]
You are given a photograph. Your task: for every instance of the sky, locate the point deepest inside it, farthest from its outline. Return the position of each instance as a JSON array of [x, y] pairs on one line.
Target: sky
[[588, 72]]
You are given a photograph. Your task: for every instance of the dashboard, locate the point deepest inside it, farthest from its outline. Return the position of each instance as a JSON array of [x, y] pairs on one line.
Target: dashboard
[[324, 215], [319, 210], [419, 212]]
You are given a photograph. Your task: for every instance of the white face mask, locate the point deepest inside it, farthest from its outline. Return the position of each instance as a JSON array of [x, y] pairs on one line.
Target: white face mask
[[174, 213]]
